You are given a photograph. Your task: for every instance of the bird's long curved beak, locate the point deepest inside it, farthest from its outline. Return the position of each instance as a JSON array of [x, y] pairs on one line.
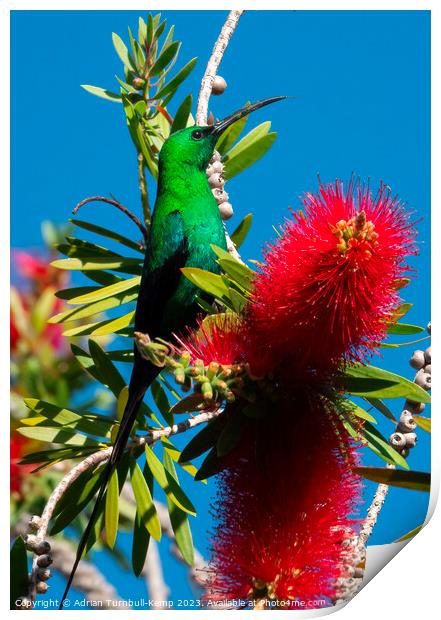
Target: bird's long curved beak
[[220, 126]]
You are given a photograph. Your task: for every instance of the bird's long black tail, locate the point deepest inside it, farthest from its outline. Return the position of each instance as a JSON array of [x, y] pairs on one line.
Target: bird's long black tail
[[143, 374]]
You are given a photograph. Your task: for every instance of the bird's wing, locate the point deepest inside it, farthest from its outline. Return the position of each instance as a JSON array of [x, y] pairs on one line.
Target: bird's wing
[[167, 253]]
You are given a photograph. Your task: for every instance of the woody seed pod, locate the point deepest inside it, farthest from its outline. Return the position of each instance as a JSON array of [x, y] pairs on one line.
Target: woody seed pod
[[423, 379], [406, 424], [219, 85], [226, 210], [415, 407], [42, 587], [417, 360], [411, 440], [44, 560], [428, 355], [216, 180], [397, 440]]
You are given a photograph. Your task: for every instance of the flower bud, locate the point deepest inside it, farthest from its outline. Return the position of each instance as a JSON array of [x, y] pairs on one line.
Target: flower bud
[[138, 83], [219, 85], [417, 360], [226, 210]]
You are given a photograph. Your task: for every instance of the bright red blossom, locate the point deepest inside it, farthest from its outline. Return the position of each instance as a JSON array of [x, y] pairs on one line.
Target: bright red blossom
[[329, 285], [217, 339], [284, 514]]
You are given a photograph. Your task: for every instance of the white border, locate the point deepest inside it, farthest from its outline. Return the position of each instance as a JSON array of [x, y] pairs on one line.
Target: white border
[[408, 585]]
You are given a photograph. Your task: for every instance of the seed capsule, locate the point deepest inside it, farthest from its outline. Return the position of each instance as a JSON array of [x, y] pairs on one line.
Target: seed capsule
[[35, 522], [415, 407], [216, 166], [216, 180], [397, 440], [219, 85], [226, 210], [406, 424], [423, 379], [428, 355], [411, 440], [428, 369], [417, 360], [42, 548], [43, 574], [42, 587], [220, 195], [44, 561]]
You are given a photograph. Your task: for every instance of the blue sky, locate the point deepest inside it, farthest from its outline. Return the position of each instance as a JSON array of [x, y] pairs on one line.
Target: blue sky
[[359, 82]]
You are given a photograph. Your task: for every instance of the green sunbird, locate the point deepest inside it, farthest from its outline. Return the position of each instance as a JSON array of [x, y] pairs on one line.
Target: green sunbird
[[185, 223]]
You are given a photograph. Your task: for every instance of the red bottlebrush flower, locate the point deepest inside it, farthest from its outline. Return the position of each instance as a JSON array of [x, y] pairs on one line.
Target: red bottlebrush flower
[[17, 472], [32, 267], [329, 285], [217, 339], [14, 334], [285, 512]]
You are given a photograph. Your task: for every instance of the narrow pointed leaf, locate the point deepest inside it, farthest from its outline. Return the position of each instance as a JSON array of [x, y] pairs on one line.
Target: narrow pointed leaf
[[373, 382], [404, 329], [178, 519], [111, 518], [102, 92], [19, 571], [424, 423], [175, 82], [168, 483], [240, 233], [105, 232], [144, 502], [415, 480], [123, 52], [182, 114]]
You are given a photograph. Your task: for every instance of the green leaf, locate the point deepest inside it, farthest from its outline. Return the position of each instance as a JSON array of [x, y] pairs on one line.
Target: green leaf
[[415, 480], [373, 440], [230, 135], [402, 310], [202, 441], [111, 515], [178, 518], [424, 423], [182, 114], [231, 433], [96, 263], [142, 31], [90, 423], [103, 328], [168, 483], [161, 401], [123, 52], [75, 499], [164, 58], [106, 232], [173, 85], [240, 274], [373, 382], [125, 285], [144, 502], [240, 233], [359, 412], [208, 282], [404, 329], [211, 466], [101, 92], [59, 454], [251, 148], [19, 571], [381, 407], [94, 308], [410, 534], [57, 435], [105, 370]]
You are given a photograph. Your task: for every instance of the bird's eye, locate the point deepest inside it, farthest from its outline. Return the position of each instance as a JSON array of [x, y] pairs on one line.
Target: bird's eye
[[197, 135]]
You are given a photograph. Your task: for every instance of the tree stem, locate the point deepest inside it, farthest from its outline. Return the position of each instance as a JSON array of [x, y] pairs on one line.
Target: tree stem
[[144, 192]]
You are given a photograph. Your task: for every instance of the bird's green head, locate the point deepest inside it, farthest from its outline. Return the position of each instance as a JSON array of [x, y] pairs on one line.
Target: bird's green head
[[194, 145]]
